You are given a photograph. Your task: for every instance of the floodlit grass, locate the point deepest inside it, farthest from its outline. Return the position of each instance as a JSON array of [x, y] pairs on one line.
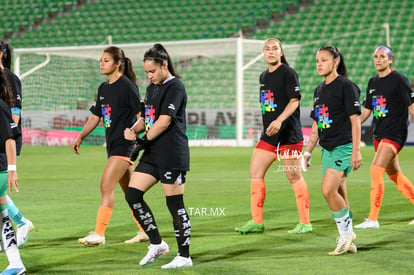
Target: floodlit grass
[[60, 194]]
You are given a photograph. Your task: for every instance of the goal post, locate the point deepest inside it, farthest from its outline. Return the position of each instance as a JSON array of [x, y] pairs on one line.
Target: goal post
[[221, 77]]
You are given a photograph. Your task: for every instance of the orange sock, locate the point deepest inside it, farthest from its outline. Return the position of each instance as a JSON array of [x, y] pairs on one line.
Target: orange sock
[[377, 191], [102, 219], [139, 226], [404, 185], [302, 200], [258, 194]]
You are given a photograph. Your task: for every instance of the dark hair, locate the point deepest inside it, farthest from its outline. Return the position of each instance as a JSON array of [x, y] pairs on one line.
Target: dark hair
[[341, 69], [7, 56], [283, 57], [6, 93], [126, 64], [159, 54]]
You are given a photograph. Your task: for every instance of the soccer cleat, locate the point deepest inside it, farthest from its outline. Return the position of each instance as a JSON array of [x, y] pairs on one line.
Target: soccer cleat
[[367, 224], [250, 227], [178, 262], [411, 222], [154, 251], [301, 228], [140, 237], [344, 245], [14, 271], [92, 239], [22, 233], [353, 248]]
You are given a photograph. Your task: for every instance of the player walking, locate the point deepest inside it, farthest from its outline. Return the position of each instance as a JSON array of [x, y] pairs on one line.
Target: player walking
[[165, 158], [24, 226], [337, 126], [9, 132], [389, 97], [281, 138], [118, 104]]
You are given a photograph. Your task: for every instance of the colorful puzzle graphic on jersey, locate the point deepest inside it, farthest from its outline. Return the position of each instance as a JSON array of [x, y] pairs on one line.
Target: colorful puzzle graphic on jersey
[[379, 106], [149, 117], [106, 115], [322, 114], [267, 101]]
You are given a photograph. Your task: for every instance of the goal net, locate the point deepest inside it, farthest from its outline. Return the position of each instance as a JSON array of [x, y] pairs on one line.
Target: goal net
[[221, 78]]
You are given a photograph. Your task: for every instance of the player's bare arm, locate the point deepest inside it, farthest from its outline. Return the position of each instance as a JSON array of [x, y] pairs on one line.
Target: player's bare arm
[[364, 115], [356, 158], [159, 127], [91, 124]]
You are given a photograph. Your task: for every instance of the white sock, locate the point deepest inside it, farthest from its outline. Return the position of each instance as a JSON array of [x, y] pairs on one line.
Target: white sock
[[344, 225]]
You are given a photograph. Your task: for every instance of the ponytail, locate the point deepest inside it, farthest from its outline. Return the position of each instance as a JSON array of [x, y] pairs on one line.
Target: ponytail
[[6, 93], [283, 59], [159, 54], [129, 71]]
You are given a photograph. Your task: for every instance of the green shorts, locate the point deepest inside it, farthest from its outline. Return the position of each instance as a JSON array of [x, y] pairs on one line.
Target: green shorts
[[338, 159], [3, 183]]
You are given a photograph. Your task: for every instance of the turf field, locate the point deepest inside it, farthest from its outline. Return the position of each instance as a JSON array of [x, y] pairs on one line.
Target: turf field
[[59, 192]]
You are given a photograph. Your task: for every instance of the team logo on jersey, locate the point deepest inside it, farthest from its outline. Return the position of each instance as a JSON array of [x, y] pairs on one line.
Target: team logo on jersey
[[149, 117], [171, 106], [13, 125], [379, 106], [371, 91], [322, 115], [267, 101], [106, 115], [168, 175]]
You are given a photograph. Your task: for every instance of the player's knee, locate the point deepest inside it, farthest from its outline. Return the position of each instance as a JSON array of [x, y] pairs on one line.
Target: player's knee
[[133, 196]]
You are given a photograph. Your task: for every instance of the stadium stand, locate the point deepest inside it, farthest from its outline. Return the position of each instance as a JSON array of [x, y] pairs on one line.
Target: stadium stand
[[355, 26]]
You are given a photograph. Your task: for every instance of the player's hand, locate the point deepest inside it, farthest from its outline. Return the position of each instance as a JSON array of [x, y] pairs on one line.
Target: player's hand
[[273, 128], [12, 181], [141, 144], [76, 144], [356, 160], [129, 134], [306, 161]]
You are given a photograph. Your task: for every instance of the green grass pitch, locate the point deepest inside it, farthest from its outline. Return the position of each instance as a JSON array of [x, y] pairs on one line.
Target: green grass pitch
[[59, 192]]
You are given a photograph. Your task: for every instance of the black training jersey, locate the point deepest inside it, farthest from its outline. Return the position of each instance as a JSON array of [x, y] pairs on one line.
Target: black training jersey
[[277, 88], [333, 104], [389, 97], [170, 149], [17, 102], [118, 104], [16, 87], [17, 96], [8, 129]]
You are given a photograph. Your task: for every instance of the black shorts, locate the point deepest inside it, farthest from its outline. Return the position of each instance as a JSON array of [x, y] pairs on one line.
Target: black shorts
[[163, 175]]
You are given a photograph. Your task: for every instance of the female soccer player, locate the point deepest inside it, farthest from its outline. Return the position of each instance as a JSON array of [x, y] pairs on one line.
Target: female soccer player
[[281, 138], [119, 105], [337, 126], [24, 226], [389, 97], [165, 157], [9, 132]]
